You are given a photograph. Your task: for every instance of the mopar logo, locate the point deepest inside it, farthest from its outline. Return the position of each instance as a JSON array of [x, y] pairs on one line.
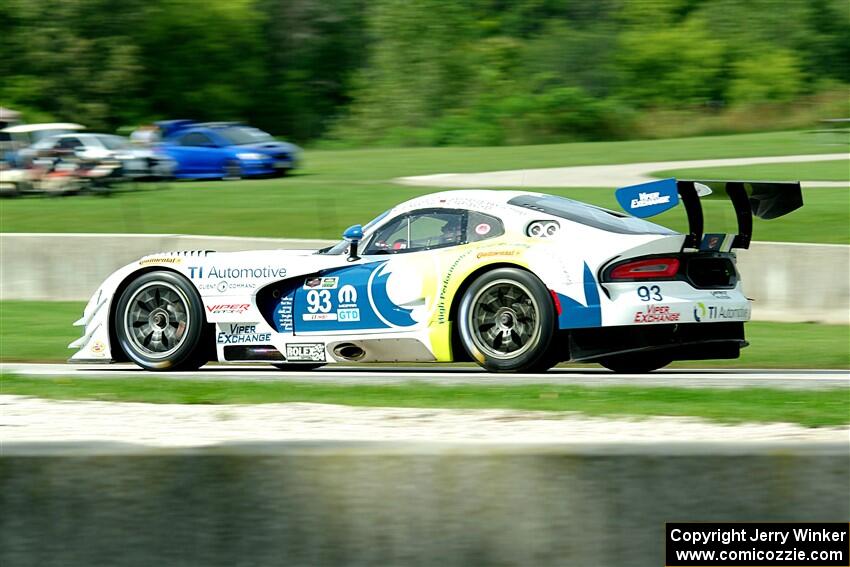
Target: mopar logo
[[347, 294]]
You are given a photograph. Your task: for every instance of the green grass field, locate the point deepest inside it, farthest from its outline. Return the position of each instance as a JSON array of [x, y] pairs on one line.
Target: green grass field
[[811, 408], [338, 188], [41, 331], [838, 170]]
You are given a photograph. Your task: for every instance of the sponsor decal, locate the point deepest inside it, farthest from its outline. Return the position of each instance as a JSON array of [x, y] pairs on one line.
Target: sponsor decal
[[305, 352], [648, 199], [319, 317], [712, 241], [442, 312], [154, 261], [323, 283], [717, 312], [347, 310], [497, 253], [482, 229], [220, 273], [229, 308], [283, 313], [239, 334], [225, 286], [721, 294], [347, 294], [657, 314], [98, 347], [348, 314]]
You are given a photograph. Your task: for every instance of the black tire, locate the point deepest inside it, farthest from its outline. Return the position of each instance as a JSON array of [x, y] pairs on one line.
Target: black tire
[[636, 363], [295, 367], [159, 322], [232, 170], [506, 321]]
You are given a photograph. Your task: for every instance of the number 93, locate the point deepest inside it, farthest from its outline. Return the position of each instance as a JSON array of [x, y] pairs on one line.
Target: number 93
[[652, 292]]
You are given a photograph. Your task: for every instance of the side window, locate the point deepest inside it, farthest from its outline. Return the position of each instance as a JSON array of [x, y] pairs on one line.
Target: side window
[[195, 139], [423, 230], [482, 227], [69, 143]]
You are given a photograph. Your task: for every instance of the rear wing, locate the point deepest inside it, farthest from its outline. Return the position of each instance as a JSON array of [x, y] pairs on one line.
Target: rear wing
[[764, 199]]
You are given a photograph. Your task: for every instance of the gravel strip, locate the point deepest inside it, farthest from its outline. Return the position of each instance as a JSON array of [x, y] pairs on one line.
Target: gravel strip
[[24, 419]]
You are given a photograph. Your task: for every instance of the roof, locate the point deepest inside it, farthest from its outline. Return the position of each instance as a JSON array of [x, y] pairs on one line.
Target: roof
[[25, 128]]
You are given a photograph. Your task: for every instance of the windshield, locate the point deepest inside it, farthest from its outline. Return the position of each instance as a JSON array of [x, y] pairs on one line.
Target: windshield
[[342, 246], [588, 215], [113, 142], [244, 135]]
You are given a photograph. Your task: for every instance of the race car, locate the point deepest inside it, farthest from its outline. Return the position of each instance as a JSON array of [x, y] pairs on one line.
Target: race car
[[516, 281]]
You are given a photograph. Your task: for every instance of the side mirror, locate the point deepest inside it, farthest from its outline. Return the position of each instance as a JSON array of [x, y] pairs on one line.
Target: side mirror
[[353, 234]]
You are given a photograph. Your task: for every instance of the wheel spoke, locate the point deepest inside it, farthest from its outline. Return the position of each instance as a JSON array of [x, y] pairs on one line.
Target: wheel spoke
[[504, 320], [516, 338], [156, 319]]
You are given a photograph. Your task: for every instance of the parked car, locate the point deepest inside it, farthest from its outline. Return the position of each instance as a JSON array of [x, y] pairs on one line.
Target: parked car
[[225, 150], [513, 280], [136, 161], [16, 138]]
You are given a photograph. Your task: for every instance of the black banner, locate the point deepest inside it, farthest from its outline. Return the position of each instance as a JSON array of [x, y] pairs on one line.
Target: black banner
[[745, 544]]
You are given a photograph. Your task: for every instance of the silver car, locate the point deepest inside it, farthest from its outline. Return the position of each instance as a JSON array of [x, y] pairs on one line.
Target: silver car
[[136, 161]]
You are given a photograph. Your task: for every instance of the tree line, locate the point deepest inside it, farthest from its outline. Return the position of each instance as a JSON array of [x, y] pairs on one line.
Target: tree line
[[419, 72]]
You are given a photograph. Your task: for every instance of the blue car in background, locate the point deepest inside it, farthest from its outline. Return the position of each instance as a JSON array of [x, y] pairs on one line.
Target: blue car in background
[[224, 150]]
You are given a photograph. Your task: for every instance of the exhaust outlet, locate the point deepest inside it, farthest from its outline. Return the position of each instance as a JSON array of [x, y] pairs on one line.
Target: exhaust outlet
[[349, 351]]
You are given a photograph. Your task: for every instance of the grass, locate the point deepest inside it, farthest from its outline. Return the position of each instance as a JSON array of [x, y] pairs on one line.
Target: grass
[[41, 331], [837, 170], [816, 408], [338, 188]]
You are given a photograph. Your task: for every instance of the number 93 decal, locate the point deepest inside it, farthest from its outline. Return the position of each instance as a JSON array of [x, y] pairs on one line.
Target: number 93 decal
[[649, 293], [318, 301]]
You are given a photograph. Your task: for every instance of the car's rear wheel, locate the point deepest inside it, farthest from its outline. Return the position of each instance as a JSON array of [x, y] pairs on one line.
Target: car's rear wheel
[[506, 321], [636, 363], [159, 323]]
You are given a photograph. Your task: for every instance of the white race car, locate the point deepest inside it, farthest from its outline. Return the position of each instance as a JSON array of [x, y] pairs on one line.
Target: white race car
[[513, 280]]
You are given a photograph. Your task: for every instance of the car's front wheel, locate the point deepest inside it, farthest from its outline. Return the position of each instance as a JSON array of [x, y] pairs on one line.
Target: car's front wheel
[[232, 170], [506, 321], [159, 323]]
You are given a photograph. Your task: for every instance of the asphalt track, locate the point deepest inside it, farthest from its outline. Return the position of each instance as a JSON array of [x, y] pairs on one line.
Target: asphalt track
[[462, 375]]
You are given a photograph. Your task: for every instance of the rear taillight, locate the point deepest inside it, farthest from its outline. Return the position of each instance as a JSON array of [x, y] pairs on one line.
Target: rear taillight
[[646, 269]]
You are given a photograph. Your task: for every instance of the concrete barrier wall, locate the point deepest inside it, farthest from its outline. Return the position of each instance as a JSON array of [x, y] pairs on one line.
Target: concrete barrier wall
[[70, 267], [789, 282], [384, 504], [797, 282]]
